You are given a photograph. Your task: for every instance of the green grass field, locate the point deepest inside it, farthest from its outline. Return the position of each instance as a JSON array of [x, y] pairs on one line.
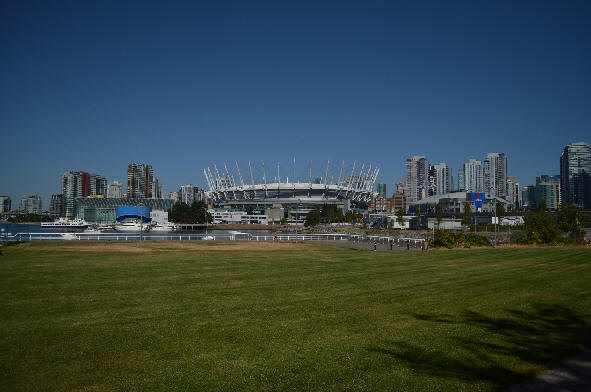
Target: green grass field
[[153, 317]]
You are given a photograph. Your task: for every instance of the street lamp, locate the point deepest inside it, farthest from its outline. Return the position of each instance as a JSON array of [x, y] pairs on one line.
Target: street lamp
[[141, 224], [298, 217], [496, 222]]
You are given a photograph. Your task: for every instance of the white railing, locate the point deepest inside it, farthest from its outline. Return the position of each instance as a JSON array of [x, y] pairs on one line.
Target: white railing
[[291, 237]]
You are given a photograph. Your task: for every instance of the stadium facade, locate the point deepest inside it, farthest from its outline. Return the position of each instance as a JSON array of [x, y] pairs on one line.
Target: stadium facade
[[278, 197]]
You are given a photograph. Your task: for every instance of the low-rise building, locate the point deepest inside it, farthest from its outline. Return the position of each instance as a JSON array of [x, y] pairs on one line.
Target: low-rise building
[[445, 224], [237, 217], [104, 210]]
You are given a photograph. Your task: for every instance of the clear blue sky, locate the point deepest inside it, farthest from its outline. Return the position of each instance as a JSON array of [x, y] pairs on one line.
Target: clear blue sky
[[182, 85]]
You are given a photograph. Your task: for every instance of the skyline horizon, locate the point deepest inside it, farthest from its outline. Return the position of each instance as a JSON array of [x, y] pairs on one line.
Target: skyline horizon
[[46, 197]]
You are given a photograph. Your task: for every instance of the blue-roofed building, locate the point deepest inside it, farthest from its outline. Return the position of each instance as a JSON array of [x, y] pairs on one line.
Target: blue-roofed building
[[133, 213]]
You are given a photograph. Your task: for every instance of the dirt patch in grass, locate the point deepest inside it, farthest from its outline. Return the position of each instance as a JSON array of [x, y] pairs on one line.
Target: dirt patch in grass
[[167, 246]]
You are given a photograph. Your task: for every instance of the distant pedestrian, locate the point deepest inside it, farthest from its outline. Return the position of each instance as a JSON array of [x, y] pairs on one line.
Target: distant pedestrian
[[275, 237], [375, 245]]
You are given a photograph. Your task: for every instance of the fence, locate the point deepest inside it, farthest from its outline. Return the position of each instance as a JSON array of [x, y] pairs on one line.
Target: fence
[[171, 237]]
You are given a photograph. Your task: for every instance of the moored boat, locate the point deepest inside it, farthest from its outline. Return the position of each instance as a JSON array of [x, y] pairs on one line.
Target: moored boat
[[164, 227], [63, 223], [131, 226]]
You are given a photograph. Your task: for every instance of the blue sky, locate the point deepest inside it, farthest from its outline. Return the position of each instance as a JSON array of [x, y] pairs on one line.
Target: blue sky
[[182, 85]]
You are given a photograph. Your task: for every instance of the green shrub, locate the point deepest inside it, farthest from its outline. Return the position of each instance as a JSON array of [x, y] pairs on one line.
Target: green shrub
[[450, 239]]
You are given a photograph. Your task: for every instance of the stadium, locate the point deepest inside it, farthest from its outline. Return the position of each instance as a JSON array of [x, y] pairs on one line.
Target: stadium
[[276, 196]]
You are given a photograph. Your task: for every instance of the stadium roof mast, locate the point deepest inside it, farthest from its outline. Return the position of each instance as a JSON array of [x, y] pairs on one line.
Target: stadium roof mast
[[326, 178], [350, 182], [310, 188], [230, 179], [278, 180], [252, 180], [341, 173], [239, 175], [218, 178], [265, 179], [207, 178]]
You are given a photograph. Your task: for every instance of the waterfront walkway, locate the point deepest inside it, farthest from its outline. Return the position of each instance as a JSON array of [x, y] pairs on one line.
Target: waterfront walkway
[[573, 375]]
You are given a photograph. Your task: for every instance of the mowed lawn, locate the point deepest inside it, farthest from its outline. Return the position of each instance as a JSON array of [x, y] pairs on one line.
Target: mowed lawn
[[158, 316]]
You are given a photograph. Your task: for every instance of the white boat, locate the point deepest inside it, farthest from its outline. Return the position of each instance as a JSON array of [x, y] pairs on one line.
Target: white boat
[[69, 237], [92, 231], [64, 223], [131, 226], [164, 227]]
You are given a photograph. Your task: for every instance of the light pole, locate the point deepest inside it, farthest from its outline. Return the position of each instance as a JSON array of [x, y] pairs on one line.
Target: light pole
[[298, 217], [141, 224], [495, 222]]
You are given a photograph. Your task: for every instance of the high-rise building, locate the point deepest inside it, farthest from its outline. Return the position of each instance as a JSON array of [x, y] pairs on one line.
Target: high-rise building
[[400, 188], [139, 181], [474, 176], [31, 205], [575, 175], [98, 185], [4, 204], [461, 179], [431, 181], [381, 189], [115, 190], [445, 180], [190, 193], [80, 184], [157, 189], [174, 196], [554, 180], [417, 178], [495, 174], [57, 206], [513, 192], [547, 191], [527, 197]]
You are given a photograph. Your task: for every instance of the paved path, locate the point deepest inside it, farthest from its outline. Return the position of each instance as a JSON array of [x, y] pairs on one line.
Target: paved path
[[573, 375], [367, 245]]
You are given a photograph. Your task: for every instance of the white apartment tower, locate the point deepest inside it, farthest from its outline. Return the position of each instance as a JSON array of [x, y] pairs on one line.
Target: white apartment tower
[[495, 174], [473, 176], [417, 178]]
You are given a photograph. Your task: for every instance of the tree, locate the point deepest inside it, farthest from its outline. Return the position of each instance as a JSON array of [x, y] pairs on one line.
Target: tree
[[312, 218], [569, 219], [400, 217], [542, 206], [467, 216], [182, 213], [500, 210], [439, 214]]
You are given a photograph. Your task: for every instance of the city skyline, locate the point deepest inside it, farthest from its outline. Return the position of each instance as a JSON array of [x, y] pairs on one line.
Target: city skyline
[[455, 178], [91, 87]]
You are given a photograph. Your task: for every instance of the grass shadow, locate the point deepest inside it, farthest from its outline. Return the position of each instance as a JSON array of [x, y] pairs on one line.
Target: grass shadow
[[507, 346]]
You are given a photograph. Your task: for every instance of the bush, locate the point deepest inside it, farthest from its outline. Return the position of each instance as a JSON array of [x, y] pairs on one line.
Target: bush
[[450, 239]]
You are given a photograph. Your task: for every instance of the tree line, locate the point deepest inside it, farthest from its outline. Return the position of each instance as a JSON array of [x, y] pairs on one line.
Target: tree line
[[330, 213], [196, 213]]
